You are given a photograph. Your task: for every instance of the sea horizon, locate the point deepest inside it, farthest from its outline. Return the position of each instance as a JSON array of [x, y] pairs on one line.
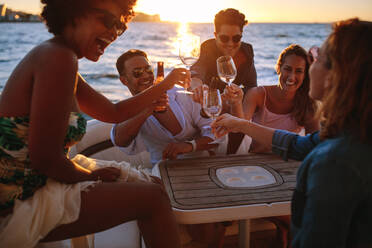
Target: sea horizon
[[160, 40]]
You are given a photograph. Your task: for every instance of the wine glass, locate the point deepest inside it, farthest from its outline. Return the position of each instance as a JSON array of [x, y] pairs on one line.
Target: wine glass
[[212, 104], [226, 69], [189, 52]]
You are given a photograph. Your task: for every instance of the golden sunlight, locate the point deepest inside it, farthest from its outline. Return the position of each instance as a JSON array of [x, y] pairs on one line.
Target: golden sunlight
[[184, 11], [185, 42]]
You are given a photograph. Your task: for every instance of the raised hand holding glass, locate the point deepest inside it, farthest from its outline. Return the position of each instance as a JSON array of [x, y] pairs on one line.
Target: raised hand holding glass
[[226, 69]]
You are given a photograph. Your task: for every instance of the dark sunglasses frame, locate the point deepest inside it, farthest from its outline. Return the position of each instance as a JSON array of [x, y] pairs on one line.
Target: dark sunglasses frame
[[138, 72], [109, 21], [225, 38]]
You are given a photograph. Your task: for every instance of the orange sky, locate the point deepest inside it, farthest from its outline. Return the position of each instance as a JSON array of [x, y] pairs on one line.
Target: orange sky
[[255, 10]]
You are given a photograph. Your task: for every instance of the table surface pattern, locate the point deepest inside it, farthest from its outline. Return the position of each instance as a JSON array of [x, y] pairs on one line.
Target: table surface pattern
[[192, 183]]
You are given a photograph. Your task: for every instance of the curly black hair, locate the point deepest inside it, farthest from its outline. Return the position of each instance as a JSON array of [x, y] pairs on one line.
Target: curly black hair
[[57, 14], [230, 17]]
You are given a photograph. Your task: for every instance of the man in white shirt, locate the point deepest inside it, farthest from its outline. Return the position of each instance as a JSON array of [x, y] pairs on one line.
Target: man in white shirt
[[178, 132]]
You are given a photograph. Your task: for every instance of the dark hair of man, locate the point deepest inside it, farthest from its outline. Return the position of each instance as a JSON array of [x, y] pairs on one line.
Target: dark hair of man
[[229, 17], [57, 14], [125, 56]]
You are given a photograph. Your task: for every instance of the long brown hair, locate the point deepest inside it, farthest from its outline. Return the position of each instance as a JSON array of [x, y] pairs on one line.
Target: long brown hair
[[347, 104], [304, 106]]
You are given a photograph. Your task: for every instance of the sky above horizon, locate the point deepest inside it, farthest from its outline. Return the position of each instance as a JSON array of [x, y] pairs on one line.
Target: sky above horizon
[[255, 10]]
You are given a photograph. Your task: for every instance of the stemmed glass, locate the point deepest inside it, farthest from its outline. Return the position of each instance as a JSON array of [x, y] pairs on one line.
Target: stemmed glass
[[212, 103], [212, 106], [226, 69], [189, 52]]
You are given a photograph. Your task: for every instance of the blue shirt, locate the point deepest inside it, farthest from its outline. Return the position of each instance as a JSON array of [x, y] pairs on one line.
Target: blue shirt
[[332, 202], [291, 145]]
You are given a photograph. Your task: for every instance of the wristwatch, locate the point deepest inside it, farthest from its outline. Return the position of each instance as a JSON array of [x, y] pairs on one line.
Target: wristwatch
[[193, 143]]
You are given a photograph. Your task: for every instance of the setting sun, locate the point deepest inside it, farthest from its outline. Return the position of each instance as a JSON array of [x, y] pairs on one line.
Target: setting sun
[[185, 11], [258, 11], [255, 10]]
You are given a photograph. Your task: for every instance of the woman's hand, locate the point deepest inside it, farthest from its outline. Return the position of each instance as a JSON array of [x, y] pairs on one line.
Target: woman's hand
[[233, 94], [227, 123], [106, 174], [180, 76]]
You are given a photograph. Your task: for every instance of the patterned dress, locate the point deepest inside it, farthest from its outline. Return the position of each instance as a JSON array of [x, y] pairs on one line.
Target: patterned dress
[[17, 179]]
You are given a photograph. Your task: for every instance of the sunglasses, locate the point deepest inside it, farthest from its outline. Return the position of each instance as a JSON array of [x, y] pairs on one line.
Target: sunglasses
[[138, 72], [225, 38], [109, 21], [313, 54]]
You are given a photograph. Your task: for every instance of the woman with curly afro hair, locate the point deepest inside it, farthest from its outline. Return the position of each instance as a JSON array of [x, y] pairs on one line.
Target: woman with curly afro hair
[[44, 195]]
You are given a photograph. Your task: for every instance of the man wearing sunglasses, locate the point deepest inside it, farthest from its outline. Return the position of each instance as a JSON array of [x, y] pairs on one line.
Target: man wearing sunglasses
[[229, 25], [178, 131]]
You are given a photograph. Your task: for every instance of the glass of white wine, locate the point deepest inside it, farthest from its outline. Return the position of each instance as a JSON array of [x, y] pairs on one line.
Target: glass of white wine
[[212, 103], [189, 52], [226, 69], [212, 107]]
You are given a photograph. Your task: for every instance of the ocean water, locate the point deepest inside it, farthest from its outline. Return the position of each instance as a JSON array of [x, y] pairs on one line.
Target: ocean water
[[159, 41]]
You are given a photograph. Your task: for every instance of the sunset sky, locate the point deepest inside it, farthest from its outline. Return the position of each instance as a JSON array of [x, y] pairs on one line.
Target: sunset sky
[[255, 10]]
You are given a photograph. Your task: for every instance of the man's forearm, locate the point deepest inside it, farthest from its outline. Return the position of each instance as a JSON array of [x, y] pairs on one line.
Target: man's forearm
[[127, 131]]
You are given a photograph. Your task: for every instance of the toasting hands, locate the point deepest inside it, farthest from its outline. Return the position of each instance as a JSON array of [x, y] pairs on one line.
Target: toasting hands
[[227, 123], [180, 76], [233, 94]]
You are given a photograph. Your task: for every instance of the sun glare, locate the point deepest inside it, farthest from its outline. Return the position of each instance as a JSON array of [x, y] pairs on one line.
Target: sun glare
[[182, 30], [184, 11], [184, 36]]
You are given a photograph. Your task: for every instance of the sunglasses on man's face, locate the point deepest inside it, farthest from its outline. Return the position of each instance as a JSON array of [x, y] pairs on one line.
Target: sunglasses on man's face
[[109, 21], [138, 72], [225, 38]]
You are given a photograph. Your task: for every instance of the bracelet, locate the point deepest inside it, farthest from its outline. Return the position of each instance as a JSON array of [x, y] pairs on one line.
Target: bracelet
[[193, 143]]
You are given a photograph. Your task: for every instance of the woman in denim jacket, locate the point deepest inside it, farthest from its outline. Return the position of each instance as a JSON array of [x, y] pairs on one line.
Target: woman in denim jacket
[[333, 198]]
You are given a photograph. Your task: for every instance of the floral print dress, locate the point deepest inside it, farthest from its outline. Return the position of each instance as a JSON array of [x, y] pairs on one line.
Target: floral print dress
[[17, 179]]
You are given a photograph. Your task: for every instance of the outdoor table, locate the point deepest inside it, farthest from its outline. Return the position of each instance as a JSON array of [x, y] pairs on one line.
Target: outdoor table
[[199, 195]]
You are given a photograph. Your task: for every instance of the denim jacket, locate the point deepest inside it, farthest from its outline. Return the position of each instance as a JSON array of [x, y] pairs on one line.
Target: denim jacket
[[332, 202]]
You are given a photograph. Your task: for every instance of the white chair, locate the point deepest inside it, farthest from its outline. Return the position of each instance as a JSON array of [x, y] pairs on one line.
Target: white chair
[[96, 143]]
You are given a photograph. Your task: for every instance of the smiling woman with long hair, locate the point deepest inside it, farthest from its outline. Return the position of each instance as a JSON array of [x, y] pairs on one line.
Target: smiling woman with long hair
[[286, 105], [44, 195]]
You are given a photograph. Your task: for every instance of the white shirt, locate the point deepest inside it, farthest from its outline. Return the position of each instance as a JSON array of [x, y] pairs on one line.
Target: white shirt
[[153, 137]]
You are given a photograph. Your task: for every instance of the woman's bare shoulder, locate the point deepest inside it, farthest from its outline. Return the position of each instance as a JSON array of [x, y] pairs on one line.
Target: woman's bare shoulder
[[52, 51], [50, 59], [256, 93]]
